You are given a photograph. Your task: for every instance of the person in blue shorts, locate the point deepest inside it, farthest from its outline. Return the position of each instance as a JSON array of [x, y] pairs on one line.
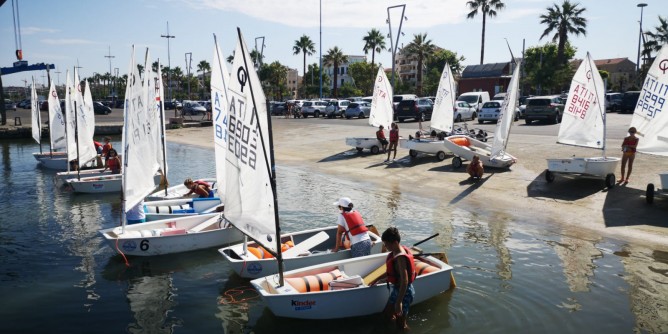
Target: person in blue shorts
[[400, 274]]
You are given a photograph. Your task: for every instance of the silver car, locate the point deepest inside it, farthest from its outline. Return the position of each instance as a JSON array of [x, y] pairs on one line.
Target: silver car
[[336, 108], [358, 109]]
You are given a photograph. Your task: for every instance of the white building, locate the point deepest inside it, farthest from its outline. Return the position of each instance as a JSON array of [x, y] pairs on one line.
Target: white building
[[343, 76]]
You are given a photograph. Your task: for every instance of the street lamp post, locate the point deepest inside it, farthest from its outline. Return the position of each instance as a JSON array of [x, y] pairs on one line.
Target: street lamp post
[[641, 5], [169, 64], [115, 84], [393, 44], [189, 61], [259, 62], [109, 56], [320, 49]]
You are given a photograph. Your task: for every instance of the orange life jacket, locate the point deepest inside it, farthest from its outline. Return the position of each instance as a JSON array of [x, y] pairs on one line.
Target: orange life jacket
[[113, 164], [392, 276], [354, 222]]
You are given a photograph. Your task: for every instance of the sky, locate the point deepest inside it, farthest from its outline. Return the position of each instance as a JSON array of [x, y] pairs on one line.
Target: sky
[[71, 32]]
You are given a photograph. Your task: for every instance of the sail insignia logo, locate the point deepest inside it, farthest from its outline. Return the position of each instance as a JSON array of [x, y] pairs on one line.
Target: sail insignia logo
[[129, 246], [302, 305], [663, 66]]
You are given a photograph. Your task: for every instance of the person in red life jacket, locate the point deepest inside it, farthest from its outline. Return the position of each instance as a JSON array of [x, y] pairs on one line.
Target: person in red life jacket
[[400, 274], [629, 148], [351, 224], [201, 188], [113, 162], [106, 147], [380, 135], [394, 141]]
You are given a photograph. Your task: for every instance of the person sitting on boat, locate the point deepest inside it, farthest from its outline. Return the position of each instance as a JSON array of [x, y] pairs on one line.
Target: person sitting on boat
[[106, 147], [380, 135], [113, 162], [475, 168], [401, 274], [351, 224], [137, 214], [629, 148], [98, 149], [199, 187]]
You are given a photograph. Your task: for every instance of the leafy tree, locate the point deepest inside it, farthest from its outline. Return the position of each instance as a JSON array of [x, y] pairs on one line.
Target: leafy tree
[[487, 8], [311, 82], [420, 48], [348, 89], [543, 71], [435, 66], [657, 38], [374, 41], [306, 46], [274, 79], [565, 20], [203, 66], [364, 75], [335, 57]]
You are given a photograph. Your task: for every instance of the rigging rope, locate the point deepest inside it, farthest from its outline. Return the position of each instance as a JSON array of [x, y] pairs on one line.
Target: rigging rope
[[230, 296], [17, 29]]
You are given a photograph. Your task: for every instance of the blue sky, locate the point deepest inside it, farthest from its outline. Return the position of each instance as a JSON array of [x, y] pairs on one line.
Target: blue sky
[[66, 31]]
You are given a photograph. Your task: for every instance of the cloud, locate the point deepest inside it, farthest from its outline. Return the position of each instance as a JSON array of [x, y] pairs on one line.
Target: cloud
[[67, 41], [341, 14], [37, 30]]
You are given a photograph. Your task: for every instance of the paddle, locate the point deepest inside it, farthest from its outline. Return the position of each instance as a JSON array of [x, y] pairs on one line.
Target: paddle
[[425, 240]]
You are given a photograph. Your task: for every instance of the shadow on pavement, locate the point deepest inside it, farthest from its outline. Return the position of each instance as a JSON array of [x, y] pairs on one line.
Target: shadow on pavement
[[625, 206], [350, 154], [565, 187], [473, 185]]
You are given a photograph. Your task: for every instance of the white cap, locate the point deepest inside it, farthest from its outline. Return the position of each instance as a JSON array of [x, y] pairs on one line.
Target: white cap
[[343, 201]]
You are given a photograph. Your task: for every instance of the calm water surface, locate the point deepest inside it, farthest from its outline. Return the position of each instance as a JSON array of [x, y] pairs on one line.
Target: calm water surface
[[57, 275]]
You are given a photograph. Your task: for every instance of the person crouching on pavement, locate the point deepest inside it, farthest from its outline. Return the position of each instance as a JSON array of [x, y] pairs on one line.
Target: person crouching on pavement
[[475, 168]]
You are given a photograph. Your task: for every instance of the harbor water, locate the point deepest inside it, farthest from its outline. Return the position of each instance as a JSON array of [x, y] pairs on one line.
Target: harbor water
[[58, 276]]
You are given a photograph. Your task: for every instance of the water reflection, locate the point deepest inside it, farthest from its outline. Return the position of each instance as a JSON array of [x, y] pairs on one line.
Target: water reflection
[[578, 256]]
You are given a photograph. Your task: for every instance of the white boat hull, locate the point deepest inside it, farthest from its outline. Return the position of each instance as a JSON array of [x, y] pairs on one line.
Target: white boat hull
[[426, 146], [479, 148], [177, 191], [57, 162], [249, 266], [287, 302], [597, 166], [101, 184], [171, 236], [174, 208], [360, 144], [62, 177]]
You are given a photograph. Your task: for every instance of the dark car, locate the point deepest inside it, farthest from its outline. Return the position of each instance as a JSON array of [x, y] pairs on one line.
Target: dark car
[[419, 109], [100, 108], [544, 108], [629, 102], [169, 105], [278, 108], [120, 104]]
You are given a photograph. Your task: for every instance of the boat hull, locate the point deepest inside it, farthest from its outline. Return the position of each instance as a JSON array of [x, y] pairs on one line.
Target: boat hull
[[426, 146], [62, 177], [166, 237], [57, 162], [101, 184], [597, 166], [360, 144], [479, 148], [177, 191], [249, 266], [287, 302], [174, 208]]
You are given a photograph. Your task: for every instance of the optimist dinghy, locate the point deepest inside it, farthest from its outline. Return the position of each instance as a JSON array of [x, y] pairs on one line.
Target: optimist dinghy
[[583, 124]]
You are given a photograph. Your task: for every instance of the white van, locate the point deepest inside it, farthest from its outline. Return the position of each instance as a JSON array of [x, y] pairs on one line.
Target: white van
[[475, 99]]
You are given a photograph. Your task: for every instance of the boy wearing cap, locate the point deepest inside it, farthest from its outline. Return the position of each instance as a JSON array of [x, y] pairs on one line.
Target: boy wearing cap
[[351, 223]]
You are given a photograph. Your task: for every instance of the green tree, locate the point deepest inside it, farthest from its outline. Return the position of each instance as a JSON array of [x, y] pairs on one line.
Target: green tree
[[348, 89], [657, 38], [364, 75], [564, 20], [420, 48], [274, 79], [435, 65], [487, 8], [306, 46], [543, 71], [335, 57], [311, 82], [374, 41], [203, 66]]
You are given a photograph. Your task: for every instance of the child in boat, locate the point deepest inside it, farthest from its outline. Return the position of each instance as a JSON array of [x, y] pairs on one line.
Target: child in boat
[[113, 162], [201, 188], [475, 168], [380, 135], [351, 224], [629, 148], [401, 274]]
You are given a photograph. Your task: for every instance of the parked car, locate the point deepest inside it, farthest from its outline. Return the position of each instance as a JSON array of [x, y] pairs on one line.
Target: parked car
[[336, 108], [613, 101], [629, 102], [544, 108], [419, 109], [398, 98], [119, 104], [9, 105], [169, 105], [192, 108], [100, 108], [464, 111], [25, 104], [498, 97], [313, 108], [278, 108], [358, 109], [206, 105], [475, 99], [354, 99], [490, 112]]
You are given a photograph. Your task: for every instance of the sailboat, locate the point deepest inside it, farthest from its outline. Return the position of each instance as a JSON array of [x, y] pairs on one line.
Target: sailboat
[[650, 118], [442, 120], [57, 134], [583, 124], [141, 163], [36, 120], [250, 200], [381, 113], [494, 155], [252, 206]]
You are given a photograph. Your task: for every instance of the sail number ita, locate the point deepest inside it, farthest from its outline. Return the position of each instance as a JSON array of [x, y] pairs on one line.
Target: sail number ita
[[653, 97]]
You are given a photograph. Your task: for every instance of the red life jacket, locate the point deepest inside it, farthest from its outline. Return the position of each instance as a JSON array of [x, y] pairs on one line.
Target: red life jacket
[[199, 191], [113, 164], [392, 276], [204, 183], [394, 135], [354, 222]]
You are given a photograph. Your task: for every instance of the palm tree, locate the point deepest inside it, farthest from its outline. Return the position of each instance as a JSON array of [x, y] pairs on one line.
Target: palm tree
[[487, 8], [657, 38], [230, 58], [306, 46], [154, 66], [374, 41], [203, 66], [335, 57], [565, 19], [421, 48]]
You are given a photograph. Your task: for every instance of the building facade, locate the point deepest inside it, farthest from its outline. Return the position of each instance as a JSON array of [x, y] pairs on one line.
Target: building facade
[[294, 81], [343, 76], [406, 66], [492, 78]]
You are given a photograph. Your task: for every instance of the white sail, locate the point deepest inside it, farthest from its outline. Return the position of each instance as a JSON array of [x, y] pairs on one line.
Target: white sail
[[159, 100], [89, 109], [139, 163], [382, 111], [36, 117], [650, 117], [507, 115], [85, 126], [219, 106], [57, 132], [249, 200], [583, 123], [70, 118], [444, 106], [152, 98]]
